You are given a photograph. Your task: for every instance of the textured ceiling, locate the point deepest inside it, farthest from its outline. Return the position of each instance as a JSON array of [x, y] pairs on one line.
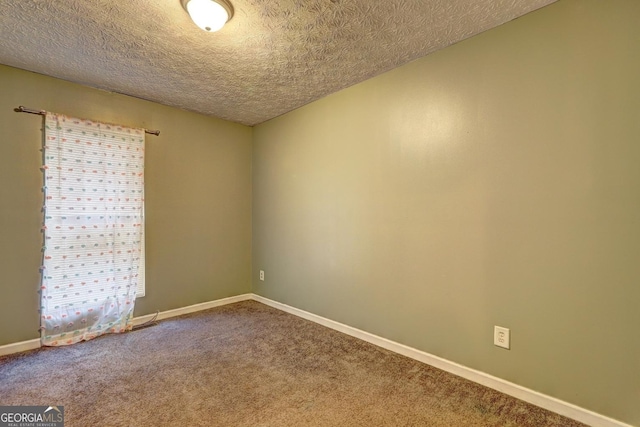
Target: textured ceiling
[[272, 57]]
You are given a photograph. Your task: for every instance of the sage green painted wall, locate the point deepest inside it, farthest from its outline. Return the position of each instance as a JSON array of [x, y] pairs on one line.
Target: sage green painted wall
[[198, 198], [495, 182]]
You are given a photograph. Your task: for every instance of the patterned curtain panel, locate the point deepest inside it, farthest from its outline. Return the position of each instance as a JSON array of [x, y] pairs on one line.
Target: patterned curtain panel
[[94, 195]]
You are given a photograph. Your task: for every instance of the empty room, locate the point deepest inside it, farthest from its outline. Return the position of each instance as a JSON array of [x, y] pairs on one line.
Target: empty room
[[320, 213]]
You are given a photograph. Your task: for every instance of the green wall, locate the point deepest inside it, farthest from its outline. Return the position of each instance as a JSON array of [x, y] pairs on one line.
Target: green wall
[[495, 182], [198, 198]]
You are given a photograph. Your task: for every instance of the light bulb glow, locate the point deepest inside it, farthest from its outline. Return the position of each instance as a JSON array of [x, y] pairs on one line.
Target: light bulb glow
[[207, 14]]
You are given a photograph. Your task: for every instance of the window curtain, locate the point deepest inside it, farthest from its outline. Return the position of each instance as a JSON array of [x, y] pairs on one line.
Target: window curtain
[[93, 228]]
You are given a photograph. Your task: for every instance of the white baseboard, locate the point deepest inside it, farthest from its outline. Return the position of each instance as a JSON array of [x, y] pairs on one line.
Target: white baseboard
[[192, 308], [19, 347], [547, 402], [35, 343]]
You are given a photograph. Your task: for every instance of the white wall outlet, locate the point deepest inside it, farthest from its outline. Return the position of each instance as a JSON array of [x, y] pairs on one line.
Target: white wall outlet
[[502, 337], [262, 275]]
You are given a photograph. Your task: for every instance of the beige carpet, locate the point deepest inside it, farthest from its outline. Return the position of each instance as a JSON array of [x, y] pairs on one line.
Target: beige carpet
[[247, 364]]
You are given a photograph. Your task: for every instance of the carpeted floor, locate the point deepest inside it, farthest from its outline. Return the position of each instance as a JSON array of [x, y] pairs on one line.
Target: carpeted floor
[[247, 364]]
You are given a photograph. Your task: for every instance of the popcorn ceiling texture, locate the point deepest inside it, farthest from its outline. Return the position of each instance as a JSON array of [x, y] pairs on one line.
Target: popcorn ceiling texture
[[272, 57]]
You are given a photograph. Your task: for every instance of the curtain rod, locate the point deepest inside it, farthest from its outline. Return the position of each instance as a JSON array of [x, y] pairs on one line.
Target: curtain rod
[[21, 109]]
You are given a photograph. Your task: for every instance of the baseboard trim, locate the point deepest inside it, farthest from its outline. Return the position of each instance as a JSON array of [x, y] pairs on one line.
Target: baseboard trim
[[35, 343], [19, 347], [192, 308], [558, 406]]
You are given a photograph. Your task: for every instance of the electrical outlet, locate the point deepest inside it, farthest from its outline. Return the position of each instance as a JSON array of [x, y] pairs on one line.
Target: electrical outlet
[[501, 337], [262, 275]]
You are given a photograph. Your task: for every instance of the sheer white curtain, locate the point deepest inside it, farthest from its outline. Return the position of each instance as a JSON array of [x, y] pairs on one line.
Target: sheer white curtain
[[93, 228]]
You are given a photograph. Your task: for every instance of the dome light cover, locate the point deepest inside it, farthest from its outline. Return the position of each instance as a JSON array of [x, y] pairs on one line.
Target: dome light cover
[[210, 15]]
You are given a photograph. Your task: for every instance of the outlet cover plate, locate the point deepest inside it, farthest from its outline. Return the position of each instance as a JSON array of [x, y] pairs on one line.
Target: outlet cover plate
[[262, 275], [502, 337]]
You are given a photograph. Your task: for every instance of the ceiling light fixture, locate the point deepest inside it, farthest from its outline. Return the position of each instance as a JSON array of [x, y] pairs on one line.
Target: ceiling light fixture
[[210, 15]]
